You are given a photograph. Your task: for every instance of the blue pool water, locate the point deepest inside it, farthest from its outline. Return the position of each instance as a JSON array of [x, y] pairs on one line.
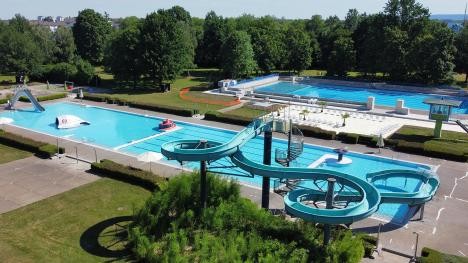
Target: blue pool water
[[114, 129], [412, 100]]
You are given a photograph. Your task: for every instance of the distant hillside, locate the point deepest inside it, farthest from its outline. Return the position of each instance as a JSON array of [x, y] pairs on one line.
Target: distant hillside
[[453, 17]]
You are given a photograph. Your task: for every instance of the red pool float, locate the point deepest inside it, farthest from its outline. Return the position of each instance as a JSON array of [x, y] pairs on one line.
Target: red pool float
[[167, 125]]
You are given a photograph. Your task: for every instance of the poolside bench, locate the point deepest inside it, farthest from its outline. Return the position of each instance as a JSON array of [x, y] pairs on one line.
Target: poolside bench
[[400, 107]]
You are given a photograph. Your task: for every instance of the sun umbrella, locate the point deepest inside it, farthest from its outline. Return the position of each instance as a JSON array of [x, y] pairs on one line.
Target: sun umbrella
[[149, 157], [380, 142]]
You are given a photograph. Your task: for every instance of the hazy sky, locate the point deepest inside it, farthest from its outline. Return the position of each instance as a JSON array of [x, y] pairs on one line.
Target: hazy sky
[[198, 8]]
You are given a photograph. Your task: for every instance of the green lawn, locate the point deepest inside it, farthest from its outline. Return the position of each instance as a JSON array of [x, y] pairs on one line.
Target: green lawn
[[8, 154], [51, 230], [247, 112]]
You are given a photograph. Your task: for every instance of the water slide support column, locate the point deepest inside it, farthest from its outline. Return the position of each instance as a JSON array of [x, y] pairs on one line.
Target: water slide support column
[[329, 201], [267, 145], [203, 191]]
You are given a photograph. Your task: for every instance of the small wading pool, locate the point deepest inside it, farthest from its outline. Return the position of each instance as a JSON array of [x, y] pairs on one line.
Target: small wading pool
[[387, 98], [117, 130]]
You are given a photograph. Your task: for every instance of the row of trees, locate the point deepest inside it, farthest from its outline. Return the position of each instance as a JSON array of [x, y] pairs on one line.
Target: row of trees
[[40, 53], [401, 42]]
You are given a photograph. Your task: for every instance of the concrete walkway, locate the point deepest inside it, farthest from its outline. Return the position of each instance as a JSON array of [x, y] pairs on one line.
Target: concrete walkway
[[29, 180]]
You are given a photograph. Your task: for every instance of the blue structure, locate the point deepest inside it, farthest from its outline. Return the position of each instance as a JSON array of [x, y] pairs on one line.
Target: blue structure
[[358, 198]]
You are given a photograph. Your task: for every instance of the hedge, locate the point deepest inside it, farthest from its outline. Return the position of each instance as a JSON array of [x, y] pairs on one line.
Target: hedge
[[163, 108], [128, 174], [445, 151], [410, 147], [41, 149], [227, 118], [95, 97], [370, 244], [351, 138], [367, 140], [46, 97], [317, 132]]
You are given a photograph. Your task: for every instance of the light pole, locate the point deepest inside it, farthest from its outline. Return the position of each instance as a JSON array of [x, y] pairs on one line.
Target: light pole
[[415, 248]]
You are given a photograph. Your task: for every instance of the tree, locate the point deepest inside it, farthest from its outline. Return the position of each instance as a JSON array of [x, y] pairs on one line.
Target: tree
[[214, 33], [19, 52], [238, 59], [299, 49], [342, 57], [352, 20], [395, 53], [164, 46], [44, 39], [432, 54], [123, 55], [91, 31], [65, 49], [266, 43], [461, 59]]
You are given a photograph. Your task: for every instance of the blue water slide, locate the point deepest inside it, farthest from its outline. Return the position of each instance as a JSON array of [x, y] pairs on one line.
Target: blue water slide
[[194, 150], [429, 184], [363, 208]]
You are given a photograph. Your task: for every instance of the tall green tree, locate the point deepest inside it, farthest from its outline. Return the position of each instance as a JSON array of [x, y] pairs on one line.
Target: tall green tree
[[299, 47], [123, 57], [238, 59], [395, 53], [342, 57], [65, 49], [267, 43], [214, 33], [432, 54], [164, 46], [352, 19], [461, 58], [91, 31]]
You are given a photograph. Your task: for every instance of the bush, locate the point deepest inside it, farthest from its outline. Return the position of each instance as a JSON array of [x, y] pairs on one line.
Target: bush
[[367, 140], [46, 97], [370, 243], [42, 149], [226, 118], [351, 138], [84, 72], [95, 97], [317, 132], [410, 147], [128, 174], [163, 108], [433, 256]]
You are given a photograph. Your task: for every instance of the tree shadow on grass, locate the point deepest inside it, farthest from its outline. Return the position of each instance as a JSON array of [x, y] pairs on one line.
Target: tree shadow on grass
[[108, 239]]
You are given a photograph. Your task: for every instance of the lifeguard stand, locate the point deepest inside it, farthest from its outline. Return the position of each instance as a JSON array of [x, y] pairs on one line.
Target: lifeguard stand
[[440, 111]]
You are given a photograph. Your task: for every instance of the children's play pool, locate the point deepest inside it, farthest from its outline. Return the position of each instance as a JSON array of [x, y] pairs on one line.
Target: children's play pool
[[134, 134]]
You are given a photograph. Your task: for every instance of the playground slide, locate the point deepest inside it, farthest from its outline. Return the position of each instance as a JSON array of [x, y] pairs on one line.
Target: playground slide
[[430, 184], [463, 126], [27, 93], [191, 150]]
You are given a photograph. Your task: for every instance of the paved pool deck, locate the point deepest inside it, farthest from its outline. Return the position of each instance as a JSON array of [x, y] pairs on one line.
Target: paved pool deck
[[444, 226]]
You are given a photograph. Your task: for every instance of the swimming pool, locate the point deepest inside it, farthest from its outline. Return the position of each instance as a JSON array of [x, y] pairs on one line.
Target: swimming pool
[[388, 98], [134, 134]]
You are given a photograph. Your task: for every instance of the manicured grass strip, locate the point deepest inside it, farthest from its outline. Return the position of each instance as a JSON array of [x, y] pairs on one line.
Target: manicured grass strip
[[46, 97], [8, 154], [216, 100], [247, 112], [433, 256], [52, 230], [42, 149]]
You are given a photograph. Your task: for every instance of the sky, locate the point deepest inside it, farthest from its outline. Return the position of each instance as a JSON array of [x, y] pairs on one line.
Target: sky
[[198, 8]]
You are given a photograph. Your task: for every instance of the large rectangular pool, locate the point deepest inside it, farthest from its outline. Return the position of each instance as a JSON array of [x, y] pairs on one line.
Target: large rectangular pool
[[134, 134], [388, 98]]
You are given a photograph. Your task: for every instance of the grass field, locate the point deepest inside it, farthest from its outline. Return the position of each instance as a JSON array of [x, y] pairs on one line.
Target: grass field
[[247, 112], [8, 154], [65, 228]]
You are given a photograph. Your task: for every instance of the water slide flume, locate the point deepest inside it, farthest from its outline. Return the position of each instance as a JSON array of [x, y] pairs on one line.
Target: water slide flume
[[363, 200]]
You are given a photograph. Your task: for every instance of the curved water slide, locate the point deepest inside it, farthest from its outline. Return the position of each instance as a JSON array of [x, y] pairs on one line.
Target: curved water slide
[[429, 184], [363, 198]]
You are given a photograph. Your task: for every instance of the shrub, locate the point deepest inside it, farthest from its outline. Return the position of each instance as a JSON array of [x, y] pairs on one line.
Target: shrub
[[410, 147], [95, 97], [162, 108], [46, 97], [367, 140], [227, 118], [42, 149], [128, 174], [370, 243], [84, 72], [317, 132], [351, 138]]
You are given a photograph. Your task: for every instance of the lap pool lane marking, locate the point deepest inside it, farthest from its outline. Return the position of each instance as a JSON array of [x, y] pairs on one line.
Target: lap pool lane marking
[[145, 139]]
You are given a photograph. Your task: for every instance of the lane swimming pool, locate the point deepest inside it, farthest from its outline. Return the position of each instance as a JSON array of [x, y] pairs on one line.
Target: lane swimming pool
[[114, 129], [388, 98]]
